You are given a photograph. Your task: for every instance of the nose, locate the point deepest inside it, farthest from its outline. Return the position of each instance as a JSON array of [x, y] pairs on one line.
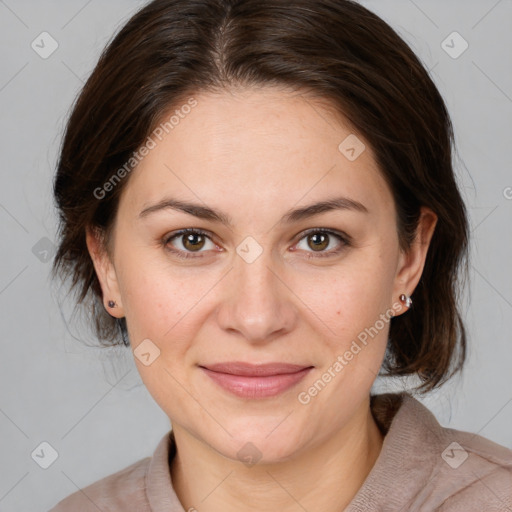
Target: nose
[[257, 303]]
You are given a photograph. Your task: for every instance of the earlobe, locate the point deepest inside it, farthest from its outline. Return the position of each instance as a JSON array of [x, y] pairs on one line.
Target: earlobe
[[105, 271], [412, 262]]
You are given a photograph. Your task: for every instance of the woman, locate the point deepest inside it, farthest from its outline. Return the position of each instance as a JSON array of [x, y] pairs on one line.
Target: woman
[[260, 196]]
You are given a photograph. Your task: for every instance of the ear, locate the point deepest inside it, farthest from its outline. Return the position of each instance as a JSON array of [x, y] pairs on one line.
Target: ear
[[105, 271], [411, 263]]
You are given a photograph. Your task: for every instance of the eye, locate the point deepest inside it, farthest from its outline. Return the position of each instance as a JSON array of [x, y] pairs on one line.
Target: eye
[[191, 241], [319, 240]]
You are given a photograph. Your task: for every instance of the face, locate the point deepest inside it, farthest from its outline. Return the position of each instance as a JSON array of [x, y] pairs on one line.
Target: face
[[252, 282]]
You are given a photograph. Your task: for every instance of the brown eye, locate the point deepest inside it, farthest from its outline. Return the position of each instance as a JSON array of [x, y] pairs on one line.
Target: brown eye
[[186, 242], [318, 241], [193, 241]]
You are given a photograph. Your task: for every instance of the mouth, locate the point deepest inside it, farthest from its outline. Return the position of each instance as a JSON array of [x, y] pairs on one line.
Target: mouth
[[251, 381]]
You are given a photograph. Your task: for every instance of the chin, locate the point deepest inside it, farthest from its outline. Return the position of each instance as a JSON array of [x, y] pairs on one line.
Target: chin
[[262, 441]]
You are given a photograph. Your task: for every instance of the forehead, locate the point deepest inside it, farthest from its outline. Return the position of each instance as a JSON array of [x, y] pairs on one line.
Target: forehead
[[259, 148]]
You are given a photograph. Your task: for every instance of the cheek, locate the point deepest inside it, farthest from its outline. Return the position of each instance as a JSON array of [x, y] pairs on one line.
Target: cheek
[[156, 295], [345, 299], [152, 307], [158, 310], [351, 309]]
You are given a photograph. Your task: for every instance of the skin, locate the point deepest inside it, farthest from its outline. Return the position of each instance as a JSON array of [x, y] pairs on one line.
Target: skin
[[254, 154]]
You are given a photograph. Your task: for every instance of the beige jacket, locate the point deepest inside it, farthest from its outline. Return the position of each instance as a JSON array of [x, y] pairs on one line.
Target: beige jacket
[[422, 467]]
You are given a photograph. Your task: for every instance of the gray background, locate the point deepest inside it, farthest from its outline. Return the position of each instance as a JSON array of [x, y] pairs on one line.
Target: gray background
[[89, 403]]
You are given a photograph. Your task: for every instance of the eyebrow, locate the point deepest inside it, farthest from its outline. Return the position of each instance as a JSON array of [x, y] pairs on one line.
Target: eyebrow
[[295, 215]]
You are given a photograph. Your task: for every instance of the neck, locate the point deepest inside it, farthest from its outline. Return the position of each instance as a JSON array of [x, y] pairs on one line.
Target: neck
[[324, 478]]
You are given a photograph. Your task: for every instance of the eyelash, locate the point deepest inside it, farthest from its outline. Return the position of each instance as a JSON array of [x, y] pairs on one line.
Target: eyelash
[[345, 239]]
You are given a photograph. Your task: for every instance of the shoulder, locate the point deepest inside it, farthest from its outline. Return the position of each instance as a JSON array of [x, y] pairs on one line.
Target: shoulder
[[475, 473], [120, 491], [464, 471], [425, 466]]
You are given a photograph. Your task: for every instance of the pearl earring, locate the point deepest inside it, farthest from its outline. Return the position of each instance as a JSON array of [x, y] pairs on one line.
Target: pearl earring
[[111, 304], [406, 300]]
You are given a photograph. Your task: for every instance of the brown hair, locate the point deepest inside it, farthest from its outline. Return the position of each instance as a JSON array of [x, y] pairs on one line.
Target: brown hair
[[335, 49]]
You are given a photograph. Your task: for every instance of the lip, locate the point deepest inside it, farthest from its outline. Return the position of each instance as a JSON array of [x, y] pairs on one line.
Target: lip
[[248, 380]]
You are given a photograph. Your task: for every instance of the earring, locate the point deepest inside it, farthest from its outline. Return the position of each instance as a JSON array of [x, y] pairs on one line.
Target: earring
[[406, 300], [111, 304]]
